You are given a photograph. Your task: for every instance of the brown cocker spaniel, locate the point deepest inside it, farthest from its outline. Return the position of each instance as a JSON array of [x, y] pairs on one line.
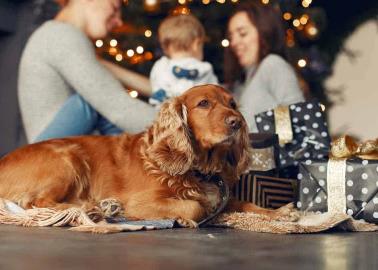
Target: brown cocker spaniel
[[153, 174]]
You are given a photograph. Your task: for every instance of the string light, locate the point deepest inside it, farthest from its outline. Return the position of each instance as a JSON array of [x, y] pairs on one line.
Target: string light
[[140, 49], [182, 2], [296, 23], [306, 3], [287, 16], [119, 57], [133, 94], [148, 33], [205, 2], [99, 43], [221, 1], [312, 30], [234, 1], [130, 53], [304, 19], [113, 43], [302, 63], [113, 51], [265, 2], [225, 43], [148, 56], [150, 2]]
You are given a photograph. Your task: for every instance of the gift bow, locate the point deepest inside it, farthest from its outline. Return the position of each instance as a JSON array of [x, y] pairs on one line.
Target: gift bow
[[346, 147], [341, 149]]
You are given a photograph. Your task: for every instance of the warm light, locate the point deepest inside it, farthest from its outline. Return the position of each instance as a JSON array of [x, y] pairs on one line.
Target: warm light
[[150, 2], [234, 1], [265, 2], [99, 43], [287, 16], [133, 94], [181, 2], [148, 55], [113, 43], [306, 3], [312, 31], [113, 51], [148, 33], [119, 57], [225, 43], [130, 52], [205, 2], [290, 43], [221, 1], [302, 63], [139, 49], [304, 19], [296, 23]]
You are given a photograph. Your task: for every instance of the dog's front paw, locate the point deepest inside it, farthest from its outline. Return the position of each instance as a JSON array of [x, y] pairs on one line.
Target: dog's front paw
[[111, 207], [94, 212], [187, 223], [287, 213]]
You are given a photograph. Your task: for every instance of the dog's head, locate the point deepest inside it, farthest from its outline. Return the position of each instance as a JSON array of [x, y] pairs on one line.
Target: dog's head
[[201, 128]]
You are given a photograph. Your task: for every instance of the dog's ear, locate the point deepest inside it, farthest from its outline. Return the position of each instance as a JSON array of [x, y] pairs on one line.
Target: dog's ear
[[171, 147], [238, 158]]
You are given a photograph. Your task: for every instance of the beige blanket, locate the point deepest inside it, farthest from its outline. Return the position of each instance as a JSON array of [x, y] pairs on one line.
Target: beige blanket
[[78, 220]]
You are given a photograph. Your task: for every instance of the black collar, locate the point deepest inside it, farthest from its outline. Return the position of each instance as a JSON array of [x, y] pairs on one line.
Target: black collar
[[224, 191]]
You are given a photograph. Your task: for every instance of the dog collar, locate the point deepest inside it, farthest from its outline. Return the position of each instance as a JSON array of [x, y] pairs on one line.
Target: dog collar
[[224, 191]]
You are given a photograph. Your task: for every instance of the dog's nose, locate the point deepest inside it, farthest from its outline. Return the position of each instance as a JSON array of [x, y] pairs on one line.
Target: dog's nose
[[233, 122]]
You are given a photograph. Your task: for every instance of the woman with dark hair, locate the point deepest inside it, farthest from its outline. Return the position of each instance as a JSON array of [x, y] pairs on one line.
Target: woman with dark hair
[[255, 66]]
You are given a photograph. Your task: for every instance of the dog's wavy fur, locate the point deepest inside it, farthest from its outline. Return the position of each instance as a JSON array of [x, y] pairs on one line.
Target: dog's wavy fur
[[154, 174]]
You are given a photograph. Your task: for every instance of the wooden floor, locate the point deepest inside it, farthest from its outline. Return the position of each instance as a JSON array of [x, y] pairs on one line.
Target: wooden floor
[[57, 248]]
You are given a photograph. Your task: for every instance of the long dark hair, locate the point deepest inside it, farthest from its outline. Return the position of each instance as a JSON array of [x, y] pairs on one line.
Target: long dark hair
[[268, 23]]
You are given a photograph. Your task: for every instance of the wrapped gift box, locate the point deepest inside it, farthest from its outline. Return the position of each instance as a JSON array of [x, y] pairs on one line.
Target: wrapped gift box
[[357, 187], [302, 131], [266, 191], [261, 185]]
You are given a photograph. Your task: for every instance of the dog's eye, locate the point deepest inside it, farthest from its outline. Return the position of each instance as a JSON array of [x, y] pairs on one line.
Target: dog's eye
[[233, 104], [203, 103]]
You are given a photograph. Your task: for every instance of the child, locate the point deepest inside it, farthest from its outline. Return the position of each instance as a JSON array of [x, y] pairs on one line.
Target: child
[[181, 38]]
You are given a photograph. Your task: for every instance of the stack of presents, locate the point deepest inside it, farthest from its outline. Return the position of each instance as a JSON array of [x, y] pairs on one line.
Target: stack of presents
[[293, 160]]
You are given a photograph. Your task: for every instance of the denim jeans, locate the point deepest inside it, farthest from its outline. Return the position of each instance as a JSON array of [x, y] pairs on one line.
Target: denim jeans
[[77, 117]]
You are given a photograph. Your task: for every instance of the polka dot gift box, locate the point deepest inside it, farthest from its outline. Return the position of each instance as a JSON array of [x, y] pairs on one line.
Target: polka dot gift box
[[302, 130], [349, 186]]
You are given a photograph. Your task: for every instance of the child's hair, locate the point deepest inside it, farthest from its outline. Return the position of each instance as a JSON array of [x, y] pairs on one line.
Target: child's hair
[[179, 31]]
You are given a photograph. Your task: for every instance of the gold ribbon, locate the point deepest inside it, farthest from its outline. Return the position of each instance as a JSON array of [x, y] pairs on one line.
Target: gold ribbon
[[341, 149], [346, 147], [283, 124]]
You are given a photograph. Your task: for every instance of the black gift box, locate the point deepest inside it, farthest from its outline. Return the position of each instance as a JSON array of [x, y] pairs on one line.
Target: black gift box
[[260, 185], [360, 184], [310, 137], [266, 191]]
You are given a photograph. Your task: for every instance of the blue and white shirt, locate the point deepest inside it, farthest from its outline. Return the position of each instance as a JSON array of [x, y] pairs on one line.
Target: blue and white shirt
[[172, 77]]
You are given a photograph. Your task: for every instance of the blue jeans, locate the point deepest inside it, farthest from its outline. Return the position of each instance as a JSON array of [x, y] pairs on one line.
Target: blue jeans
[[77, 117]]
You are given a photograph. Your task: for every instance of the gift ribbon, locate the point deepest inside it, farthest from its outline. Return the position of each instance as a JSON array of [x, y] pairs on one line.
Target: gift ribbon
[[283, 124], [346, 147], [341, 149]]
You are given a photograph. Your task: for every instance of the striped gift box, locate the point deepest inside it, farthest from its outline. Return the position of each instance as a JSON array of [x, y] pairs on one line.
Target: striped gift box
[[265, 191]]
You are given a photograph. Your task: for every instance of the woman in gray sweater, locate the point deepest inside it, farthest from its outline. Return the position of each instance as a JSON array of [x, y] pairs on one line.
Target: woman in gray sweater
[[255, 68], [64, 90]]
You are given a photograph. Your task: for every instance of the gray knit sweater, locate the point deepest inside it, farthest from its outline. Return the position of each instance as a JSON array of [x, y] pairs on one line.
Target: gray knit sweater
[[59, 60], [273, 82]]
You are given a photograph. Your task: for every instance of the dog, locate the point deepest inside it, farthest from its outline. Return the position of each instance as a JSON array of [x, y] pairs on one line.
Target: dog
[[153, 174]]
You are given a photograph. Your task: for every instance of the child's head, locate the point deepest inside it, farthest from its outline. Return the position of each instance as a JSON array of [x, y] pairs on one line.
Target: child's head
[[182, 34]]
